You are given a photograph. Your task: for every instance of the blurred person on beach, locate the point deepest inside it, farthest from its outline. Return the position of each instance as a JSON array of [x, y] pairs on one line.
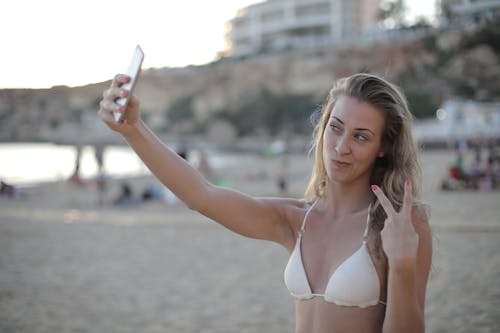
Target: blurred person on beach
[[456, 178], [359, 241], [476, 168], [101, 184], [126, 196], [75, 177], [204, 166], [494, 167], [282, 176], [7, 190], [153, 191], [183, 151]]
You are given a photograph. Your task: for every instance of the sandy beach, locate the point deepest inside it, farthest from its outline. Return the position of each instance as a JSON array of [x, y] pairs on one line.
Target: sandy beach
[[68, 264]]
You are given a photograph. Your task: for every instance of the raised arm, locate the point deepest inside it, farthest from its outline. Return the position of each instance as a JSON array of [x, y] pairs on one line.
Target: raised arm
[[262, 218]]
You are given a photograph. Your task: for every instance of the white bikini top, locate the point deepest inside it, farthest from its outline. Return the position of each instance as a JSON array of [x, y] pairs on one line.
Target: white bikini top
[[354, 283]]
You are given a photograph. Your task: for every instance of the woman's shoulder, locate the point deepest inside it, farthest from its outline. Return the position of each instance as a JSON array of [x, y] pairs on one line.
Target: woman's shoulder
[[293, 209], [289, 203], [298, 209], [291, 212]]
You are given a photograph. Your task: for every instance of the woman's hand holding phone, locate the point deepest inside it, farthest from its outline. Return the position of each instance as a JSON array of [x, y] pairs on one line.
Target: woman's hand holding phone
[[119, 108]]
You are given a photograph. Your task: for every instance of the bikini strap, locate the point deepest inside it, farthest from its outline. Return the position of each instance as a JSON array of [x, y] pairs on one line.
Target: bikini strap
[[365, 235], [302, 228]]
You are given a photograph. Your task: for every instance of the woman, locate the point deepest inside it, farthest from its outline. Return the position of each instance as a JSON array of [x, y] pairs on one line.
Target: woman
[[359, 243]]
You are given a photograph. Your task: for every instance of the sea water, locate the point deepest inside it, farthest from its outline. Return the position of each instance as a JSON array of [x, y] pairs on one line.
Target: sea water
[[29, 163], [32, 163]]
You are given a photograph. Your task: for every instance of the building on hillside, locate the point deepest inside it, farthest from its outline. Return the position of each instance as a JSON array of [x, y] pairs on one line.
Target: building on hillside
[[297, 24]]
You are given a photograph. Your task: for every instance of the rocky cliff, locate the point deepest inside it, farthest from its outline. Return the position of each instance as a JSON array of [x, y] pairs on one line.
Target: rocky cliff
[[194, 98]]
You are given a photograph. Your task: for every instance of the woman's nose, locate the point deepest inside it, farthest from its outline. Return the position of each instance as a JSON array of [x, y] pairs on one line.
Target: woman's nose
[[342, 146]]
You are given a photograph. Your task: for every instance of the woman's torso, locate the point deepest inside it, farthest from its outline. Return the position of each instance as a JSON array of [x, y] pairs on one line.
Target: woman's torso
[[325, 245]]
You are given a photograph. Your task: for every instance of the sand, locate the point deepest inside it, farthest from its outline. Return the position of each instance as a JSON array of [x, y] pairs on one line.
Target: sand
[[70, 265]]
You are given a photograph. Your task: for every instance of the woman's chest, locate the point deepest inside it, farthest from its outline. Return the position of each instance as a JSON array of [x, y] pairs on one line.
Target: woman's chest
[[325, 248]]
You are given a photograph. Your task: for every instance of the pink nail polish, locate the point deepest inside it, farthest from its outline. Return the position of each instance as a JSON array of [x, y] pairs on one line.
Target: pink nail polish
[[407, 182], [374, 187]]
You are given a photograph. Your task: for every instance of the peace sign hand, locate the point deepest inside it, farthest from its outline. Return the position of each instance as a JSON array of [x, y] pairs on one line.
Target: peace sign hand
[[399, 239]]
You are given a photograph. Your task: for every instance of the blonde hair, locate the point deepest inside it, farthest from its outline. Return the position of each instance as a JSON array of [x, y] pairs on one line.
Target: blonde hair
[[401, 158]]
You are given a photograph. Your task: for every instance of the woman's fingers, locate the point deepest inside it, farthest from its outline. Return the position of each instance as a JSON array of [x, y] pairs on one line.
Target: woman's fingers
[[386, 204], [405, 212], [114, 93], [108, 103], [105, 115], [119, 79], [110, 106], [407, 200]]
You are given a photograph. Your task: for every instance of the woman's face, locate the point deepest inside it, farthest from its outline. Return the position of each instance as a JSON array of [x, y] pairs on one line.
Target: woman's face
[[352, 140]]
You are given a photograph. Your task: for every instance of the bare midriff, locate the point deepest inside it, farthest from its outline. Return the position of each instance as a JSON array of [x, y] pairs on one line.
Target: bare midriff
[[315, 315]]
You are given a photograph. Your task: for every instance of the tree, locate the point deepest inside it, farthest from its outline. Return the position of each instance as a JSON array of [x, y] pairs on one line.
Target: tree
[[393, 13]]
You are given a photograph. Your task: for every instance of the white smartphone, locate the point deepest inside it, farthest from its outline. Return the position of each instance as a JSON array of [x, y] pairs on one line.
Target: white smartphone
[[133, 71]]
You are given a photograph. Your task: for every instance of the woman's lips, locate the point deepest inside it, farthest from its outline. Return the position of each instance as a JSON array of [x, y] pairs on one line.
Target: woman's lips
[[341, 164]]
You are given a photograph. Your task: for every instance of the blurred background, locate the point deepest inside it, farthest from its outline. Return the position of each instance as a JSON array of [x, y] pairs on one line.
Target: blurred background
[[90, 242]]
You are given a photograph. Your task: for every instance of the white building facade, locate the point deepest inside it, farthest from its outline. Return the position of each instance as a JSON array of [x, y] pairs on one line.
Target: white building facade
[[461, 120], [284, 24]]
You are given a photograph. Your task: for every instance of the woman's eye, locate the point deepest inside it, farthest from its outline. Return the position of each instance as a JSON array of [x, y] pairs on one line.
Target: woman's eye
[[334, 127], [360, 137]]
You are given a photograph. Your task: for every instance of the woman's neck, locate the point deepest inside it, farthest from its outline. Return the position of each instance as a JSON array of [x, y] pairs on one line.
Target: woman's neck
[[345, 199]]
